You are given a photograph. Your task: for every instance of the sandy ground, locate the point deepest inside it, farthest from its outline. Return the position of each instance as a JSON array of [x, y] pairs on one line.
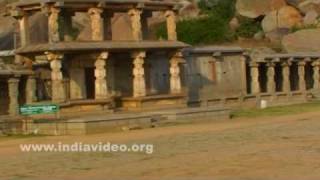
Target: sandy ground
[[283, 148]]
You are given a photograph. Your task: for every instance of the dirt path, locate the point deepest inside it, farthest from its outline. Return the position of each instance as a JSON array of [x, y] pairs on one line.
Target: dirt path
[[285, 147]]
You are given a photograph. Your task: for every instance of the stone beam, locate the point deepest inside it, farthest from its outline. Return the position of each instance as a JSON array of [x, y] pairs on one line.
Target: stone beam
[[101, 86], [139, 82], [171, 25]]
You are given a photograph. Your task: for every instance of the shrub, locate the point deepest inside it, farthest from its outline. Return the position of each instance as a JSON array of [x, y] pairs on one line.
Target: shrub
[[248, 28]]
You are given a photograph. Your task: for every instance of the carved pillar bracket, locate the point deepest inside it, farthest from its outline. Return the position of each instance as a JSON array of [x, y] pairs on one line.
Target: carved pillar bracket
[[31, 88], [286, 76], [139, 82], [302, 80], [54, 29], [96, 24], [175, 79], [13, 96], [135, 17], [271, 78], [255, 85], [58, 89], [316, 75], [171, 25], [101, 86]]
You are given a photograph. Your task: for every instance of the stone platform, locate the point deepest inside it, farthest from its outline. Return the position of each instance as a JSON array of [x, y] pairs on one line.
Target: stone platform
[[102, 123], [150, 102]]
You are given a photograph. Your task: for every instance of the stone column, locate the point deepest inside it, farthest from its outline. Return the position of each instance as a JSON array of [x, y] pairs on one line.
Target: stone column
[[31, 90], [97, 23], [171, 25], [13, 96], [24, 30], [135, 17], [54, 29], [175, 79], [58, 89], [255, 85], [286, 77], [302, 79], [271, 86], [316, 75], [139, 82], [101, 74]]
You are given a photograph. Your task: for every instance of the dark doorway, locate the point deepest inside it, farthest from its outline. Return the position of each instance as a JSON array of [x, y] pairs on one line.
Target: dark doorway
[[4, 97], [278, 77], [294, 76], [248, 78], [309, 76], [263, 77], [90, 82]]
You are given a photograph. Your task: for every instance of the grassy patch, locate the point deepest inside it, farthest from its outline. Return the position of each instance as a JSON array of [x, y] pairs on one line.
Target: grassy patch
[[277, 111]]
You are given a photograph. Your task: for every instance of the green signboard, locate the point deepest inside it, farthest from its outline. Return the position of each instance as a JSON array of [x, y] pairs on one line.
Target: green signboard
[[39, 109]]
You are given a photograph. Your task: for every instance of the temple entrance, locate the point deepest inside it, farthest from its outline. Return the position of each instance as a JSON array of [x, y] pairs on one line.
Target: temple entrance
[[90, 83], [263, 78], [294, 77], [4, 96]]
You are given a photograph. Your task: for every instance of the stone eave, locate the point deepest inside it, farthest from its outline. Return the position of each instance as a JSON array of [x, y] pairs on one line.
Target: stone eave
[[215, 50], [116, 5], [15, 72], [112, 46]]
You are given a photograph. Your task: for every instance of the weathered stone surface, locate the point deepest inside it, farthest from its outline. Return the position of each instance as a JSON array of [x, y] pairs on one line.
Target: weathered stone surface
[[286, 17], [309, 5], [277, 34], [190, 9], [295, 3], [311, 18], [307, 40], [256, 8], [234, 24]]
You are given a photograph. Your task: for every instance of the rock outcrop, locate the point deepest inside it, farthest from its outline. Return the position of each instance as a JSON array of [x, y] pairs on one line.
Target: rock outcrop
[[307, 40], [256, 8]]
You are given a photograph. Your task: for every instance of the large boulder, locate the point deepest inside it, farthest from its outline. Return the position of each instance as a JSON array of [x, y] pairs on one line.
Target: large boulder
[[307, 40], [256, 8], [286, 17], [310, 5]]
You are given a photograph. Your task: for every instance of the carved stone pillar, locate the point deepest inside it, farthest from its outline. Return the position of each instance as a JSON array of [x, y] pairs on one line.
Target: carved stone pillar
[[97, 23], [302, 79], [255, 85], [24, 30], [316, 75], [171, 25], [54, 29], [175, 79], [31, 90], [271, 86], [139, 82], [135, 17], [58, 89], [286, 77], [13, 96], [101, 74]]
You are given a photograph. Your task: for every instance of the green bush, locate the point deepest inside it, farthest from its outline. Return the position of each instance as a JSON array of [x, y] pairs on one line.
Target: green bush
[[212, 28], [248, 28]]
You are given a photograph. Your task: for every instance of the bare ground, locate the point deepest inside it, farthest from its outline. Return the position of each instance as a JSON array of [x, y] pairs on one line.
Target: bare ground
[[286, 147]]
